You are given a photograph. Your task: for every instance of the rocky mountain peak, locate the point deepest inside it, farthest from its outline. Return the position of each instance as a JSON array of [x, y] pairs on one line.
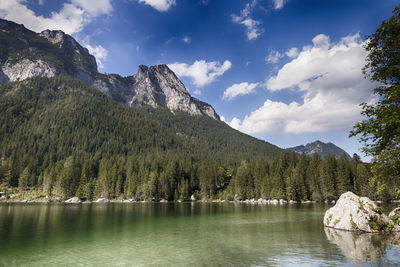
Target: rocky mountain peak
[[324, 149], [53, 36], [24, 55]]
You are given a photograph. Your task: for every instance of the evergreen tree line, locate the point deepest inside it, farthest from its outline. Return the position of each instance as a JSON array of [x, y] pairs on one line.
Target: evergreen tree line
[[69, 139], [175, 177]]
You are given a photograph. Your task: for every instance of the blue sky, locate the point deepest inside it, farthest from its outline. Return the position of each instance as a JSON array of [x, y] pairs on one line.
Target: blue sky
[[285, 71]]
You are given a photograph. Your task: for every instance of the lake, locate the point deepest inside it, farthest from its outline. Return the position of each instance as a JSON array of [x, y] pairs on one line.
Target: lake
[[183, 234]]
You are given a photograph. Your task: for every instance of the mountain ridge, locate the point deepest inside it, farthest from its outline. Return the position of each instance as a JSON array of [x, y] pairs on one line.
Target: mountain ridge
[[28, 54], [324, 149]]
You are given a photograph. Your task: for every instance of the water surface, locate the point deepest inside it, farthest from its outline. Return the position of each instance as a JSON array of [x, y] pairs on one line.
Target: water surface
[[183, 234]]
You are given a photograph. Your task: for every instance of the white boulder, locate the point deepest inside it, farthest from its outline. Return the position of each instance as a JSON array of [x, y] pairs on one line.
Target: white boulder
[[73, 200], [274, 202], [354, 213], [102, 200], [282, 201]]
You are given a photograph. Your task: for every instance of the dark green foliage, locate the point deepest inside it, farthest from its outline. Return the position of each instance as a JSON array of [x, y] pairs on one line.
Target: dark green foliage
[[379, 225], [381, 130], [69, 139]]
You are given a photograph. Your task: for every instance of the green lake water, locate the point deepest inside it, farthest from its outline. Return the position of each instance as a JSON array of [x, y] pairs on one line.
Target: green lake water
[[183, 234]]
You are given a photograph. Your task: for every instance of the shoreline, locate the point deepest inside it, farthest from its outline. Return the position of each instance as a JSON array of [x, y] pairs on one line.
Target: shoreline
[[267, 202]]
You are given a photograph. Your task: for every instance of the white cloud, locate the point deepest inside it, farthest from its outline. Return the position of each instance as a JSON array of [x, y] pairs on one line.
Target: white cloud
[[200, 71], [244, 88], [160, 5], [278, 4], [99, 52], [72, 17], [41, 2], [94, 7], [197, 92], [292, 52], [253, 26], [330, 78], [273, 57], [186, 39]]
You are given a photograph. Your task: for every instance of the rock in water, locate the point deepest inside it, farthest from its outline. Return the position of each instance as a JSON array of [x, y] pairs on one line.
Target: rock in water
[[102, 200], [354, 213], [73, 200]]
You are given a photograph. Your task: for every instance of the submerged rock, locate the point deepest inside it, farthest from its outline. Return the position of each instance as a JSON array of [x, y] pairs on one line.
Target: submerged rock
[[73, 200], [354, 213]]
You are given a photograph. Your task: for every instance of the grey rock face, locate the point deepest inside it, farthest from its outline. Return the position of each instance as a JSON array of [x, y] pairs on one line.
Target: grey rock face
[[24, 69], [53, 36], [156, 86], [354, 213], [324, 149]]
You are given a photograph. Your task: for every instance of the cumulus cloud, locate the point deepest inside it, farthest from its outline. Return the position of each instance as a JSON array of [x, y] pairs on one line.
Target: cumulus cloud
[[99, 52], [72, 17], [253, 26], [159, 5], [201, 72], [273, 57], [292, 52], [330, 78], [235, 90]]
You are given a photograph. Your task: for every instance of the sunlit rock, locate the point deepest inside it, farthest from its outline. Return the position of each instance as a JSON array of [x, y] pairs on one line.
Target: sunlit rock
[[73, 200], [354, 213], [102, 200]]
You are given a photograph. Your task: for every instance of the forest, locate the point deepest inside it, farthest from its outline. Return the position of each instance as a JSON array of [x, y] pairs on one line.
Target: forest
[[64, 138]]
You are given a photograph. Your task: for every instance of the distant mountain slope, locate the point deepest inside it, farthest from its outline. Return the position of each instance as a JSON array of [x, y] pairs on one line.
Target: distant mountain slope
[[52, 118], [25, 54], [324, 149]]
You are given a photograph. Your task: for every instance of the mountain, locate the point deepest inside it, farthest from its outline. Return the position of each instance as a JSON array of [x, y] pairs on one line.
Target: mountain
[[25, 54], [324, 149], [55, 104], [67, 130]]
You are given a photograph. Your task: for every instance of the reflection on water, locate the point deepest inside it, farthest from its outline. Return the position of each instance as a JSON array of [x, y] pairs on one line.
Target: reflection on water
[[362, 247], [181, 234]]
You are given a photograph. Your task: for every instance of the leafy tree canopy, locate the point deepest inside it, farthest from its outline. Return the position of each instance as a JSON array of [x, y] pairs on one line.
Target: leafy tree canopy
[[381, 131]]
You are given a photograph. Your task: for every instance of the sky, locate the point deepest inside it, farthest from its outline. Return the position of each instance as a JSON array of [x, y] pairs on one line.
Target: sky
[[284, 71]]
